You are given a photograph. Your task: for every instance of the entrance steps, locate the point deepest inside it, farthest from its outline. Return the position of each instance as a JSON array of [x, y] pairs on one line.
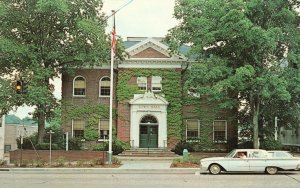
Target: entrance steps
[[145, 153]]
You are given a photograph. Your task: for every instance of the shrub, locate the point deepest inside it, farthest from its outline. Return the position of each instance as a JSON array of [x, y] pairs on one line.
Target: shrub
[[271, 144], [99, 161], [75, 144], [40, 163], [100, 147], [116, 161], [246, 145], [180, 146], [119, 146], [27, 141], [46, 146], [60, 161], [3, 162]]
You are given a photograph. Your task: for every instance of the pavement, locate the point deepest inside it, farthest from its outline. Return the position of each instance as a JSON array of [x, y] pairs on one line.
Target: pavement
[[137, 165]]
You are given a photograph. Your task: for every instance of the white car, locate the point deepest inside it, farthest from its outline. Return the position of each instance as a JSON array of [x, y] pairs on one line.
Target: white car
[[251, 160]]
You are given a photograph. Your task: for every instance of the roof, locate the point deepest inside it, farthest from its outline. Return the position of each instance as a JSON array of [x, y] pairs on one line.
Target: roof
[[14, 120], [132, 41]]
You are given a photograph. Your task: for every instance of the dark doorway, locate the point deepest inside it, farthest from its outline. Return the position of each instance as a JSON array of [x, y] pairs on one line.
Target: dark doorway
[[149, 132]]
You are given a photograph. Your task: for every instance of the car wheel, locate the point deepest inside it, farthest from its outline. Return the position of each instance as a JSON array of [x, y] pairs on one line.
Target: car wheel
[[214, 169], [271, 170]]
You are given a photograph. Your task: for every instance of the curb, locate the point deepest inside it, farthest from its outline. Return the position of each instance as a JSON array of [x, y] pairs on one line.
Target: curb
[[107, 170]]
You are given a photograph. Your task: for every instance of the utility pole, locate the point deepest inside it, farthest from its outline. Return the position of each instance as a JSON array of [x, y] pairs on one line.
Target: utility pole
[[50, 148], [276, 128]]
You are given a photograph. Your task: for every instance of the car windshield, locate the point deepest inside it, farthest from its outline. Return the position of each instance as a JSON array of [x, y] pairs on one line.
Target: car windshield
[[231, 154]]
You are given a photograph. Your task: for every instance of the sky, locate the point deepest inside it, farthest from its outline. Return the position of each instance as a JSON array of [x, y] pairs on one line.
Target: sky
[[140, 18]]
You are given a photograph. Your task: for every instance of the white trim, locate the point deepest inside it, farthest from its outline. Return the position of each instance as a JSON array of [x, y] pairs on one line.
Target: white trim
[[186, 127], [72, 133], [74, 88], [99, 89], [149, 42]]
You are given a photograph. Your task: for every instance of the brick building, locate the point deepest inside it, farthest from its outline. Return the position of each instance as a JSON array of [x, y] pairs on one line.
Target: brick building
[[151, 107]]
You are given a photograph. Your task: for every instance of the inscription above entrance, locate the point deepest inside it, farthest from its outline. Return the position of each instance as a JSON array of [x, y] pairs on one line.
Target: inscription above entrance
[[149, 106]]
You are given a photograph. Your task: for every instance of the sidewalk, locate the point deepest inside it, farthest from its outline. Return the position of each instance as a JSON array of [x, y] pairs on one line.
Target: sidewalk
[[154, 166]]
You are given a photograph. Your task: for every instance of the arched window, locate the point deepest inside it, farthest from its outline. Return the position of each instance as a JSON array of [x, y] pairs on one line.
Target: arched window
[[104, 85], [79, 86], [149, 119]]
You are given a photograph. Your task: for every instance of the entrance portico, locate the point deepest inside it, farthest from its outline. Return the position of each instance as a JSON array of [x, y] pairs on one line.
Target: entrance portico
[[148, 125]]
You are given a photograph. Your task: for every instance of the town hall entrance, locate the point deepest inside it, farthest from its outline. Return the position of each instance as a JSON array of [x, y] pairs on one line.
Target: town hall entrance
[[148, 132], [148, 121]]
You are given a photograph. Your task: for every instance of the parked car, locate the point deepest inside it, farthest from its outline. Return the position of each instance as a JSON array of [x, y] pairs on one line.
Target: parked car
[[280, 154], [251, 160]]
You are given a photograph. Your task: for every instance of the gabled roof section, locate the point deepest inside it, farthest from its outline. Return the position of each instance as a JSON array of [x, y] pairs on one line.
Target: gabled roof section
[[149, 48]]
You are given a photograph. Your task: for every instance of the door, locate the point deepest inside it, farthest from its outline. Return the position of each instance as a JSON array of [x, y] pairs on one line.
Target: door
[[148, 132], [148, 136]]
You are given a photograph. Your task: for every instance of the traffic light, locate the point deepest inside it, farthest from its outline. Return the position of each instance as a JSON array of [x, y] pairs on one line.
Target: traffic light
[[19, 87], [24, 87]]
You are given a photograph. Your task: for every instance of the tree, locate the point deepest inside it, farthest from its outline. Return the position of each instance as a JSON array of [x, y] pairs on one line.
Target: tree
[[41, 38], [244, 46]]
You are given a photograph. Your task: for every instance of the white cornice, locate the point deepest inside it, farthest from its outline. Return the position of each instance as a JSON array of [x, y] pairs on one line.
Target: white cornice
[[156, 45]]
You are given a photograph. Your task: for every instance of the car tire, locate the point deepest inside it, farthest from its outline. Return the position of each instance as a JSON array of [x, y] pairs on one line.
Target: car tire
[[271, 170], [214, 169]]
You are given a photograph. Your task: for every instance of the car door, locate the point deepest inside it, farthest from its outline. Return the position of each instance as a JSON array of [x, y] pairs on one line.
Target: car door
[[237, 164], [257, 161]]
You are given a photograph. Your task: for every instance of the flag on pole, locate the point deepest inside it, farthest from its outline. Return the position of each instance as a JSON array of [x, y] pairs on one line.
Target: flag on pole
[[113, 38]]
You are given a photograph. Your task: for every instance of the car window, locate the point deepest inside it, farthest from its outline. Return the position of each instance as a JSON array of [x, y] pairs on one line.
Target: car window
[[230, 154], [257, 154], [282, 155]]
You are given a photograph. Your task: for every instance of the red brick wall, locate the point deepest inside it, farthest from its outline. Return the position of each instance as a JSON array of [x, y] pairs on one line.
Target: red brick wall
[[123, 122], [149, 53], [30, 155], [92, 77]]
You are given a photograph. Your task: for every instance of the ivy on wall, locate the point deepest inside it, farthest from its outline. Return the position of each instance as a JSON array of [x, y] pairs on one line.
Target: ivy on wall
[[89, 112], [171, 88], [206, 111]]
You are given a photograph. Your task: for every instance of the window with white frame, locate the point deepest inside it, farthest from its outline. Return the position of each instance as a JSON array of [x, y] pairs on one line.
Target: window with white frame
[[78, 128], [79, 86], [104, 129], [192, 128], [104, 87], [220, 131], [156, 83], [142, 83]]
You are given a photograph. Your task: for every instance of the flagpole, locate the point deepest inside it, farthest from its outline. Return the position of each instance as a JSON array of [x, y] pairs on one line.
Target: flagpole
[[111, 91]]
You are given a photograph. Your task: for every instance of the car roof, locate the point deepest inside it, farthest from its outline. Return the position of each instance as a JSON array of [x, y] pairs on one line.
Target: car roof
[[250, 150]]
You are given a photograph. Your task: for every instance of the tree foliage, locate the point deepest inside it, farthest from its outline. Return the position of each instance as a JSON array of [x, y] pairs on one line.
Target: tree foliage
[[41, 38], [249, 52]]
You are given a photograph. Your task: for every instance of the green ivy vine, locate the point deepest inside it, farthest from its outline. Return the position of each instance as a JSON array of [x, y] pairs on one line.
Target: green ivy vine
[[171, 88], [91, 113]]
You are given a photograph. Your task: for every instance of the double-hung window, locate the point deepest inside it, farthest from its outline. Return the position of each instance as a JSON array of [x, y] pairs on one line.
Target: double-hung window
[[142, 83], [156, 83], [104, 87], [79, 86], [220, 131], [103, 129], [192, 129], [78, 128]]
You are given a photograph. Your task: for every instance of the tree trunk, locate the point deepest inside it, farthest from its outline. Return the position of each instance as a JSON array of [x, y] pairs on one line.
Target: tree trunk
[[41, 124], [255, 125]]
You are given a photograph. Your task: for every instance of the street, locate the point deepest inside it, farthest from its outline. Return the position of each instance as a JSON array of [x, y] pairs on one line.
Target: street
[[146, 179]]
